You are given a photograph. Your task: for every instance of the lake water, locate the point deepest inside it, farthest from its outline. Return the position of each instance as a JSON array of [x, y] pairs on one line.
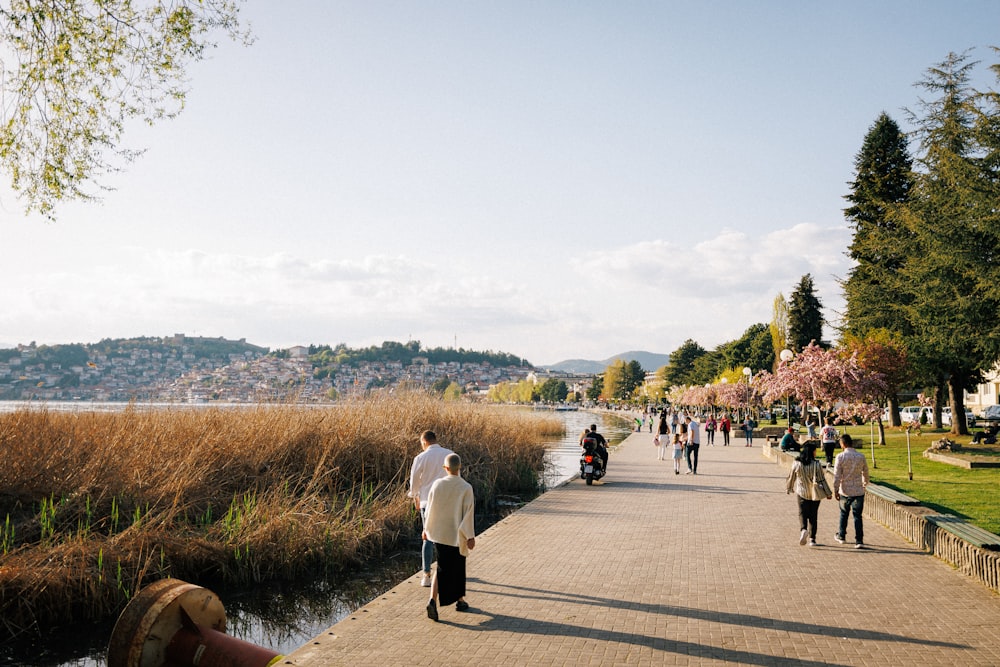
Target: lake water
[[286, 616]]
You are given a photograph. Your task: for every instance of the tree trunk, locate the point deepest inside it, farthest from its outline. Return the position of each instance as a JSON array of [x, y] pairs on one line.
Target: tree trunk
[[939, 403], [959, 426], [893, 412]]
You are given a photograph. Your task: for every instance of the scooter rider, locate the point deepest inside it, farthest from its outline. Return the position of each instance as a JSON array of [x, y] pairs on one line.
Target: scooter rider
[[600, 444]]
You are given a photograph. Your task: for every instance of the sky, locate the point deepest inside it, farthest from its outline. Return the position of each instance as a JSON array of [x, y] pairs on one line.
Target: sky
[[554, 180]]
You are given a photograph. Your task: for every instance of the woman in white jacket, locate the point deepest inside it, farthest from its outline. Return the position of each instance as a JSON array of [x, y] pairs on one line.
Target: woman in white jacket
[[808, 481], [451, 527]]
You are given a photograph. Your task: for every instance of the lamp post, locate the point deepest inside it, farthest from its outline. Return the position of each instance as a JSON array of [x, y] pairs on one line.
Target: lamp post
[[787, 356], [749, 375]]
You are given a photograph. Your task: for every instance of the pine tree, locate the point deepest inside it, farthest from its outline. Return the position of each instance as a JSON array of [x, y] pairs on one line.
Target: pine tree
[[952, 297], [681, 368], [805, 316], [881, 243]]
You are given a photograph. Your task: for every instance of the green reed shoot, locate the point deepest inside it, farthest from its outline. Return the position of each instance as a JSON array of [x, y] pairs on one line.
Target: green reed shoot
[[7, 536], [239, 509], [114, 515], [206, 518], [47, 518], [120, 581]]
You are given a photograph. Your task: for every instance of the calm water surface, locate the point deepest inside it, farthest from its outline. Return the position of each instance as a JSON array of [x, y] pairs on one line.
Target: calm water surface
[[287, 616]]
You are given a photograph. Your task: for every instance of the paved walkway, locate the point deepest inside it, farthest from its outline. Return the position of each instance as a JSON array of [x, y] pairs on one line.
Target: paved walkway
[[656, 569]]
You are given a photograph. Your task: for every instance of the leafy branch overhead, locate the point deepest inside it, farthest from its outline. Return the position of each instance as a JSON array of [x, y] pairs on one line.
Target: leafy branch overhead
[[75, 72]]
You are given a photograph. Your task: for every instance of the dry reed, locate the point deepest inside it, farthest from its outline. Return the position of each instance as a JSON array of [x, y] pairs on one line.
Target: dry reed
[[93, 506]]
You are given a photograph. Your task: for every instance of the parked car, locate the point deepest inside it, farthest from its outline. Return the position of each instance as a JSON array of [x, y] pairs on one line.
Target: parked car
[[991, 414], [970, 419], [911, 413]]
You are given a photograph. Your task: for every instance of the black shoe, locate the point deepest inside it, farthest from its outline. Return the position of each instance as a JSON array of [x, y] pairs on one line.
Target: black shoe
[[432, 610], [461, 605]]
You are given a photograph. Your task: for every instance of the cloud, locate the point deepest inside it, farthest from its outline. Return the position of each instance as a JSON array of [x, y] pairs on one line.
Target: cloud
[[651, 295]]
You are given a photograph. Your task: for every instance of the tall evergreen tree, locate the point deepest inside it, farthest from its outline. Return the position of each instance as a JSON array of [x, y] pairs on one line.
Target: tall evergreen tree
[[635, 376], [986, 235], [754, 348], [805, 316], [953, 312], [680, 370], [883, 181], [622, 378]]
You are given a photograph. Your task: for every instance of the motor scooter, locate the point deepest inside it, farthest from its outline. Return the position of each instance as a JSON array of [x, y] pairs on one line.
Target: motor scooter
[[591, 464]]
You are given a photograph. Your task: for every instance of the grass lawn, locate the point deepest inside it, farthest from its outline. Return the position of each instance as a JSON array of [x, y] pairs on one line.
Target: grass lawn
[[973, 495]]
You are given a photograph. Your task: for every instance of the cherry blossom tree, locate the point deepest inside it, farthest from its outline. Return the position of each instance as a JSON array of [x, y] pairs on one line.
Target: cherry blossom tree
[[827, 378], [883, 352]]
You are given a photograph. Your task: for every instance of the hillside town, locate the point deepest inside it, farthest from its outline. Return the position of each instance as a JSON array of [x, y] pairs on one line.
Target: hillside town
[[194, 370]]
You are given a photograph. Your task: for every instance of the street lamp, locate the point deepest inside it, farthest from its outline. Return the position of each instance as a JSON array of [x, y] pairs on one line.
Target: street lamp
[[787, 356], [749, 374]]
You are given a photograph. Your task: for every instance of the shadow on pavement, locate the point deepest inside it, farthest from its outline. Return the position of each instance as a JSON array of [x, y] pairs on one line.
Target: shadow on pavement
[[748, 620]]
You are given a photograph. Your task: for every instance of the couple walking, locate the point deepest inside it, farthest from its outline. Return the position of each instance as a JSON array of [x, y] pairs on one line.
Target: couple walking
[[447, 508], [850, 476]]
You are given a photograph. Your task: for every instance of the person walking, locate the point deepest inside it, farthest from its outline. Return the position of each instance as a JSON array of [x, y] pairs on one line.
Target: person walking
[[693, 444], [710, 426], [725, 426], [427, 468], [811, 424], [808, 481], [748, 426], [678, 453], [661, 438], [652, 418], [850, 477], [451, 507], [828, 434]]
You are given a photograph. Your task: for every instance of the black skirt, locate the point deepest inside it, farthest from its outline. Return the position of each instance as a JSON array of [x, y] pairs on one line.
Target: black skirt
[[450, 574]]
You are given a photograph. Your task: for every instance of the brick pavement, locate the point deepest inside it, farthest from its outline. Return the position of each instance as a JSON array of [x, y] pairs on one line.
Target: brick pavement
[[651, 568]]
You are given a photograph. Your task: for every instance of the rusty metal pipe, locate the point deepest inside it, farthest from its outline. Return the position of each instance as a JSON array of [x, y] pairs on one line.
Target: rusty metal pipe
[[198, 646], [172, 623]]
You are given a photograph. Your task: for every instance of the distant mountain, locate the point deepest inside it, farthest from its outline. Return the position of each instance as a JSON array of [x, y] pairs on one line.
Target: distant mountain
[[650, 361]]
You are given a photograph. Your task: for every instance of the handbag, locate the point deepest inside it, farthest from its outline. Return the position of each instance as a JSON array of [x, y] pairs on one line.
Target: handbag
[[820, 489]]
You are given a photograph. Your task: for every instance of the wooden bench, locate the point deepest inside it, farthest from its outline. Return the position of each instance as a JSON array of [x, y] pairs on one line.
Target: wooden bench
[[966, 531], [892, 495]]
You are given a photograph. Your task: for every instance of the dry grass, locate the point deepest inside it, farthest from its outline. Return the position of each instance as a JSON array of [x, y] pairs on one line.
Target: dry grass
[[95, 505]]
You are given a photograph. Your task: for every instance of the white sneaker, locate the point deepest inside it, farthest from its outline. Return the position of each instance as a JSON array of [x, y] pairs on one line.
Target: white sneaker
[[425, 580], [812, 543], [803, 537]]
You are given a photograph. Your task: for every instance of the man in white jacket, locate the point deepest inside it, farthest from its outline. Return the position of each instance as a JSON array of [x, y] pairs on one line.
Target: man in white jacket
[[427, 468], [451, 526]]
